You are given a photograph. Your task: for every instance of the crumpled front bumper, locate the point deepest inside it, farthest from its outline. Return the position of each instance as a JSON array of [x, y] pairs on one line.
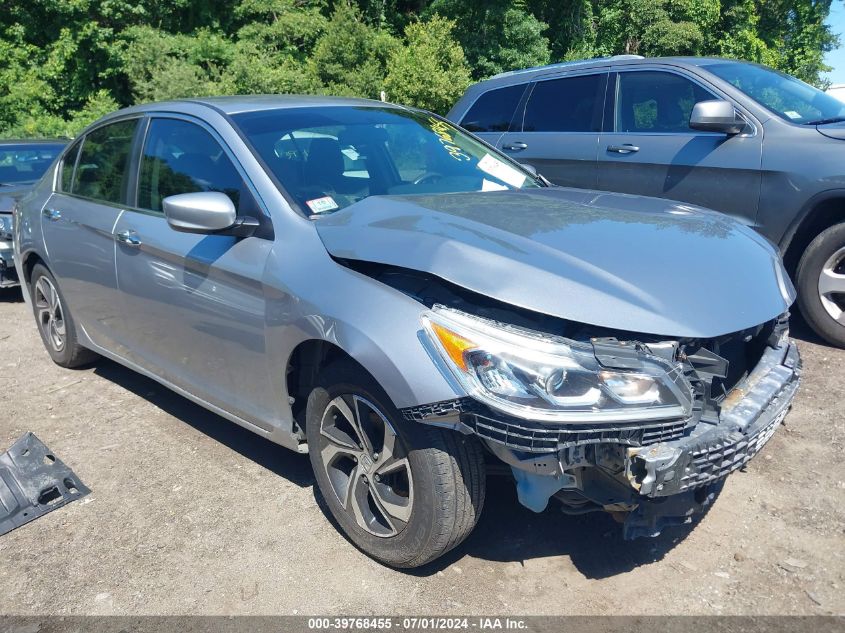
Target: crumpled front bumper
[[660, 473], [749, 417]]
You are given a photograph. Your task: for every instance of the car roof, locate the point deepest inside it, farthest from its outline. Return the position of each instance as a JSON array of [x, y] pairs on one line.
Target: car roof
[[616, 60], [34, 141], [239, 104]]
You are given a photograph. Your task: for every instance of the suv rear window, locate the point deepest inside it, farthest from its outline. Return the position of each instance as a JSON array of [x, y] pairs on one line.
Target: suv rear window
[[571, 104], [493, 110]]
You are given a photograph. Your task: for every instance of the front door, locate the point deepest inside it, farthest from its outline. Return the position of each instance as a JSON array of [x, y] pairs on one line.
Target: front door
[[649, 149], [194, 305], [78, 222], [559, 129]]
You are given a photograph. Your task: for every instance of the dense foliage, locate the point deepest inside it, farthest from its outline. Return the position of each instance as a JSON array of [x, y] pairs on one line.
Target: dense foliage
[[66, 62]]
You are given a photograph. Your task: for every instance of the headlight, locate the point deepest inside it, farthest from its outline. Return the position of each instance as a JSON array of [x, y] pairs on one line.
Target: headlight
[[542, 377]]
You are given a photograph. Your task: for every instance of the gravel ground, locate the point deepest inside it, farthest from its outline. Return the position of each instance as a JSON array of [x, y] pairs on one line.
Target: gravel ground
[[190, 514]]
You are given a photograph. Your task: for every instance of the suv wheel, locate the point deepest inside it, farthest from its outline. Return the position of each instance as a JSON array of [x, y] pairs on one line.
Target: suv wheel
[[403, 492], [821, 284], [54, 321]]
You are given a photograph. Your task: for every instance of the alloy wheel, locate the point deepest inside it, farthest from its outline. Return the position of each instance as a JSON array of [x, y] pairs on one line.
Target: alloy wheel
[[832, 286], [48, 308], [366, 465]]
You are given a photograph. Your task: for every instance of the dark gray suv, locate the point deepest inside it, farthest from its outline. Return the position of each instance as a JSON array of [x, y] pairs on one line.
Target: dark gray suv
[[737, 137]]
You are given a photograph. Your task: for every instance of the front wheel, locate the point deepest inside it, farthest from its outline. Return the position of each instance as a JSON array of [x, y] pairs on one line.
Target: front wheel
[[403, 492], [821, 284]]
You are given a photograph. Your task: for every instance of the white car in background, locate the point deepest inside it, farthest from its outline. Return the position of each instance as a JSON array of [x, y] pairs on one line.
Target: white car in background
[[838, 91]]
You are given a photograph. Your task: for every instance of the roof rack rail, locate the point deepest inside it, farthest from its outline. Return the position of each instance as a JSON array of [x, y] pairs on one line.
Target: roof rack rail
[[570, 64], [579, 62]]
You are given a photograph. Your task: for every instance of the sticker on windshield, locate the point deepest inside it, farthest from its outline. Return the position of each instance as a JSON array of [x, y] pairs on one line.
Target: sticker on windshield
[[489, 185], [504, 172], [792, 114], [321, 205]]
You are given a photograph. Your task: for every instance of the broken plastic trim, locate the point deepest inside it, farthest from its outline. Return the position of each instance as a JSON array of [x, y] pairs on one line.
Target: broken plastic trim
[[33, 481]]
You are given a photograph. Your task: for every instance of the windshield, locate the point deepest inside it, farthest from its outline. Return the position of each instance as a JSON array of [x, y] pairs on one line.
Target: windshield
[[789, 98], [330, 157], [24, 163]]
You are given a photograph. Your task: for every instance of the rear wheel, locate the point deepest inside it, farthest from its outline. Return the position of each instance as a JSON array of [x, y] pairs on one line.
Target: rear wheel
[[821, 284], [403, 492], [54, 321]]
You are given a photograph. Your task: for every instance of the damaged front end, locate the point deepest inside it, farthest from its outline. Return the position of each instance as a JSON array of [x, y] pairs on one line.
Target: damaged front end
[[8, 274], [636, 425]]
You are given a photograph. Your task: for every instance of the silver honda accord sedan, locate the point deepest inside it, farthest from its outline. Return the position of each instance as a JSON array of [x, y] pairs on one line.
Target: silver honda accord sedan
[[373, 286]]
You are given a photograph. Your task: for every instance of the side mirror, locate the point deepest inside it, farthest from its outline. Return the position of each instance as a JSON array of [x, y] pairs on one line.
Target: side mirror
[[716, 116], [206, 212]]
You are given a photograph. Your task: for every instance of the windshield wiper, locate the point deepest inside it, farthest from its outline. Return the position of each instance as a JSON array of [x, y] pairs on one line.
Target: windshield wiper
[[833, 119]]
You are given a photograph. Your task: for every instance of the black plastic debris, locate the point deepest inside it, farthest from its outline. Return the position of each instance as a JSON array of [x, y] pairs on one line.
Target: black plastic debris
[[33, 481]]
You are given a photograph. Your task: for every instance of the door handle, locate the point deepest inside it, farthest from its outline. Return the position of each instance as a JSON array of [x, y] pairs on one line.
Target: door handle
[[627, 148], [128, 237], [51, 214], [516, 146]]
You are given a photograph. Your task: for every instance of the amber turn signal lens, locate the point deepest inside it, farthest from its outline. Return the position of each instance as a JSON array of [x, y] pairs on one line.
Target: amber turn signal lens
[[454, 344]]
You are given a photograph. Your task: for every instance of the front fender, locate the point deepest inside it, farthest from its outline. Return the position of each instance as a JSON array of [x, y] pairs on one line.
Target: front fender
[[313, 297]]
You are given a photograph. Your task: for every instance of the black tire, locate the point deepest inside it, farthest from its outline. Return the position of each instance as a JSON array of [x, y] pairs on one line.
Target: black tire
[[445, 467], [813, 262], [62, 344]]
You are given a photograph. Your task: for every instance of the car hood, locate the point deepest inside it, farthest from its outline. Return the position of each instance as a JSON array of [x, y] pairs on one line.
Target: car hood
[[612, 260], [11, 194]]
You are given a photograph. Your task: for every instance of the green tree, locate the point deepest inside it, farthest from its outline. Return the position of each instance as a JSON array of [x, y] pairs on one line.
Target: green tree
[[350, 58], [65, 60], [429, 71], [496, 36], [159, 65]]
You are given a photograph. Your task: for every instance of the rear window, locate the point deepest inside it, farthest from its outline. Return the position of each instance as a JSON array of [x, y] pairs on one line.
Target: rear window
[[572, 104], [101, 170], [68, 164], [493, 110]]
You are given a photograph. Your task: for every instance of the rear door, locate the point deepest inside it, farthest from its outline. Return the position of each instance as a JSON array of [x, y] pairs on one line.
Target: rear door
[[193, 305], [557, 131], [648, 147], [78, 222]]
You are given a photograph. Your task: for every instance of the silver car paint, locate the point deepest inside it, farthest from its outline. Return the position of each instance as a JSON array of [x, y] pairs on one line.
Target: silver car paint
[[217, 319], [623, 262], [201, 211]]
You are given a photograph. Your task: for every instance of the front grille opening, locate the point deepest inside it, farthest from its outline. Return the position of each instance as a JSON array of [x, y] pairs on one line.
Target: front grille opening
[[524, 435]]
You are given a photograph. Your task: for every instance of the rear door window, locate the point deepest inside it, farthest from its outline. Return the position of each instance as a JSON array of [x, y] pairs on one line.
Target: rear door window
[[182, 157], [656, 102], [571, 104], [101, 173], [68, 163], [493, 110]]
